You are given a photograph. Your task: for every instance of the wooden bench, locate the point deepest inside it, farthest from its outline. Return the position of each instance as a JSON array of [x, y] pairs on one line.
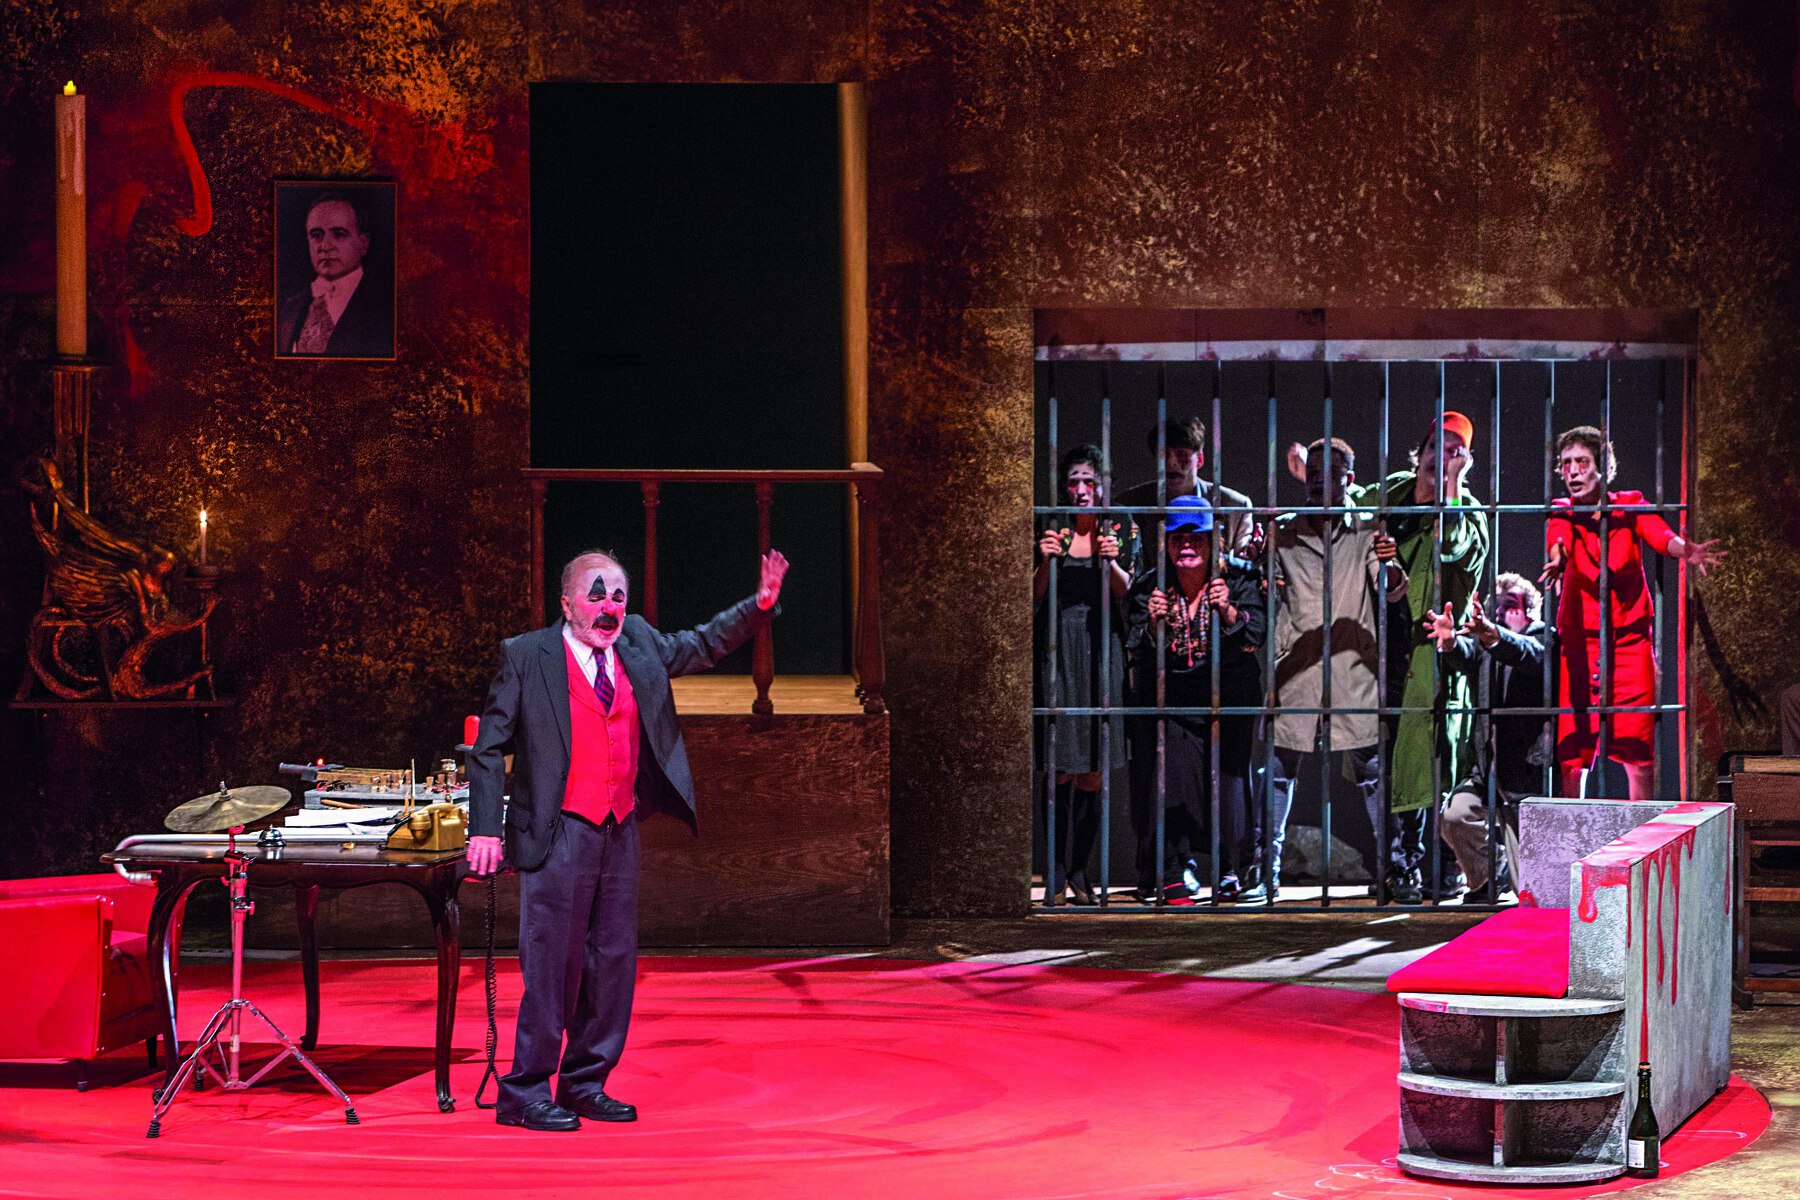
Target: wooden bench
[[1519, 1038]]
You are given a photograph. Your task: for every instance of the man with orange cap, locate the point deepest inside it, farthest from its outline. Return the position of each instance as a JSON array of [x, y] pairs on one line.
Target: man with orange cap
[[1443, 549]]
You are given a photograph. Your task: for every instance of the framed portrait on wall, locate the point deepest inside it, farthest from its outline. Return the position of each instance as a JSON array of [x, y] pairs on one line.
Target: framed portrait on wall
[[334, 269]]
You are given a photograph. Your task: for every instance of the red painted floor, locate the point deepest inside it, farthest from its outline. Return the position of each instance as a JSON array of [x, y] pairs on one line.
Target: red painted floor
[[793, 1079]]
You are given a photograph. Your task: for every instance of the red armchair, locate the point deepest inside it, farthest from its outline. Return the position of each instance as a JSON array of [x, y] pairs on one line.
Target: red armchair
[[77, 957]]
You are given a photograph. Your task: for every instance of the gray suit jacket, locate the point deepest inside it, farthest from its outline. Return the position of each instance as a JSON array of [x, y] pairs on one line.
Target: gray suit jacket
[[528, 711]]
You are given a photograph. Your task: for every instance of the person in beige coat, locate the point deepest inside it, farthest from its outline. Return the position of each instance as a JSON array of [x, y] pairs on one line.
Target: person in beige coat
[[1308, 594]]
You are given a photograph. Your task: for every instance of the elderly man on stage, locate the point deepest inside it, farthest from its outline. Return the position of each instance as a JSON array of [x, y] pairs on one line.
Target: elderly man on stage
[[585, 705]]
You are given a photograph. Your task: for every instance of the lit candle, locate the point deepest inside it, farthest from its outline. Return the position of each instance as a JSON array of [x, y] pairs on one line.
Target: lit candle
[[203, 537], [71, 223]]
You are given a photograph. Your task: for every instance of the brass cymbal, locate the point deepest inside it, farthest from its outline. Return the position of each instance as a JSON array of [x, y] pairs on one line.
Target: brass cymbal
[[227, 808]]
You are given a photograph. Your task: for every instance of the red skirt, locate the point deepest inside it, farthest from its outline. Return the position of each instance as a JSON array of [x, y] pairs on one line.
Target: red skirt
[[1630, 737]]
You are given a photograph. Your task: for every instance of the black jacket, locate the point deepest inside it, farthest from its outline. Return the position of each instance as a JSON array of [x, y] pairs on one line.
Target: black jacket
[[1240, 677], [1516, 748], [365, 330], [528, 711]]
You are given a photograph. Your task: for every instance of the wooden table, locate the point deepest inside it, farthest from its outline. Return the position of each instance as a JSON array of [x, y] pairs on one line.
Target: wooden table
[[306, 867]]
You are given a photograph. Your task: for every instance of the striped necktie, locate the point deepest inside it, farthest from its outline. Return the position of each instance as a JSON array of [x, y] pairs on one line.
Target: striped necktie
[[603, 684]]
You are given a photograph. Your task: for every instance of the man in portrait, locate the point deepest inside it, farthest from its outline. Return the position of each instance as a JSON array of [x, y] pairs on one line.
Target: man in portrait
[[347, 308]]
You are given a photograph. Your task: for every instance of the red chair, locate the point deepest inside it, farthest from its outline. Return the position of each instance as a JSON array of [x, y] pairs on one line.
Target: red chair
[[77, 959]]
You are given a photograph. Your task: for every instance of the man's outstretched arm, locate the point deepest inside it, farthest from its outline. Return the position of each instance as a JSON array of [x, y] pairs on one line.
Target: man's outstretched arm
[[699, 649]]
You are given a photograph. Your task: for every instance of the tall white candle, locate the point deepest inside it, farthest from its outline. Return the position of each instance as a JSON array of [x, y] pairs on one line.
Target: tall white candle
[[203, 537], [71, 223]]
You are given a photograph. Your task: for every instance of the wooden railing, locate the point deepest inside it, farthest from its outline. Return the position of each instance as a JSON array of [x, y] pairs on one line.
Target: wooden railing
[[868, 661]]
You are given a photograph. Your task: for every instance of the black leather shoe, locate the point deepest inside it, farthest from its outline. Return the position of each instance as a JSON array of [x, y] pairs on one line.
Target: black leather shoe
[[1405, 888], [542, 1115], [598, 1106]]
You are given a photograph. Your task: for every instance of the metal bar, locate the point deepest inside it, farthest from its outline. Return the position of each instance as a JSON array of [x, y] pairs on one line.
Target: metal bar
[[1659, 771], [1215, 570], [1689, 384], [1486, 737], [1440, 726], [1602, 724], [1052, 669], [1240, 710], [1106, 644], [1322, 727], [1382, 763], [1156, 635], [1536, 509], [1226, 910], [1270, 871], [1557, 646]]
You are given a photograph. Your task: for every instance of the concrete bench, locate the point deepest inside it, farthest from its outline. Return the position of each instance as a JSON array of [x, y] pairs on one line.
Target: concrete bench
[[1519, 1039]]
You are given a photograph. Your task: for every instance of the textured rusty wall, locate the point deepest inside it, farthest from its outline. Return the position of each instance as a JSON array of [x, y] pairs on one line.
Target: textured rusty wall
[[1021, 155]]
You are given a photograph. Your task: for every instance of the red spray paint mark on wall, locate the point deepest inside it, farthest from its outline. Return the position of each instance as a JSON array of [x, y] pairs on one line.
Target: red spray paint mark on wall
[[199, 222], [1659, 846]]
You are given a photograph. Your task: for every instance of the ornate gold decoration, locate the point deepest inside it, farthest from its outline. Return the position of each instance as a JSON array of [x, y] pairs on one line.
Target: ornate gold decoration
[[106, 605]]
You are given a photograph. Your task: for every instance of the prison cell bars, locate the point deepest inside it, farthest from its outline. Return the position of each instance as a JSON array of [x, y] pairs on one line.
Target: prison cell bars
[[1214, 711]]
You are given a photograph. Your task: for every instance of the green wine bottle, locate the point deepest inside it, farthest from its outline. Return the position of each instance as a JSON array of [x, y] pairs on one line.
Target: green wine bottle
[[1643, 1140]]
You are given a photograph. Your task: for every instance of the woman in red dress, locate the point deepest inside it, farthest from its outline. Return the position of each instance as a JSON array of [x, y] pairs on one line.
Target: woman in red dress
[[1585, 464]]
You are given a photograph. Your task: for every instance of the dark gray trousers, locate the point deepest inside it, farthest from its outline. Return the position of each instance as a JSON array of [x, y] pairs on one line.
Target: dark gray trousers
[[578, 926]]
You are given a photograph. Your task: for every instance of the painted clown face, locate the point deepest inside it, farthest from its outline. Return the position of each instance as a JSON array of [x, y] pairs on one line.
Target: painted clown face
[[594, 606]]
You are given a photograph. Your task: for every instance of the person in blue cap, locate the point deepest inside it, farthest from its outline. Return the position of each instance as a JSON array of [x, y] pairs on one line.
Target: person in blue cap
[[1203, 610]]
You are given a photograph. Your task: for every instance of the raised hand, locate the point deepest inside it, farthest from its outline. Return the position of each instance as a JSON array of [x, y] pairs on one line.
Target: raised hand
[[1051, 544], [1440, 627], [1386, 549], [1296, 461], [774, 570], [1159, 605], [1553, 570], [1107, 545], [1478, 626], [1218, 595], [1705, 554]]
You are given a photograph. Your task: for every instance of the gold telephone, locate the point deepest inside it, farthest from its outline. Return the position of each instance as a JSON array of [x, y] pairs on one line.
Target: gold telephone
[[433, 828]]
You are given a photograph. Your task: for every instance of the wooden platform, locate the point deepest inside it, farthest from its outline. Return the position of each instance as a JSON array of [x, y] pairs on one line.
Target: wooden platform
[[710, 695]]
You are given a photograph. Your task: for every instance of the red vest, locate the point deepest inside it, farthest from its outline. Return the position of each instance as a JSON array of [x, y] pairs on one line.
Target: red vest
[[603, 746]]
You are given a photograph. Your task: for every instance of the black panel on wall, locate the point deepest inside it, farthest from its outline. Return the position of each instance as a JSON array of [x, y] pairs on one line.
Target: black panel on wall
[[686, 311]]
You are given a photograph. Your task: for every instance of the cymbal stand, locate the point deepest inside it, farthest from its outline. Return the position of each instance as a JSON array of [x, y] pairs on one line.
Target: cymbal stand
[[222, 1037]]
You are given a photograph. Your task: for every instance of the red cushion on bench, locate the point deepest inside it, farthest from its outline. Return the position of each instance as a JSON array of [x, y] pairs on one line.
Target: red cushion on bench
[[1515, 952]]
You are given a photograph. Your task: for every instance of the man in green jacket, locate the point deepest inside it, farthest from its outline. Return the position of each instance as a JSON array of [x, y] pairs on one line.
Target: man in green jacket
[[1443, 552]]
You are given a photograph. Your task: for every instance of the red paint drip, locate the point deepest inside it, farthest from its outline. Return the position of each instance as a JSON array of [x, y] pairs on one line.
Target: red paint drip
[[1658, 845], [1526, 899], [1694, 806]]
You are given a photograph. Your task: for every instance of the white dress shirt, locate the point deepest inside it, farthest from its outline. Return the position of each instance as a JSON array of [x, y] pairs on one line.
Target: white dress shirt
[[586, 654], [337, 292]]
